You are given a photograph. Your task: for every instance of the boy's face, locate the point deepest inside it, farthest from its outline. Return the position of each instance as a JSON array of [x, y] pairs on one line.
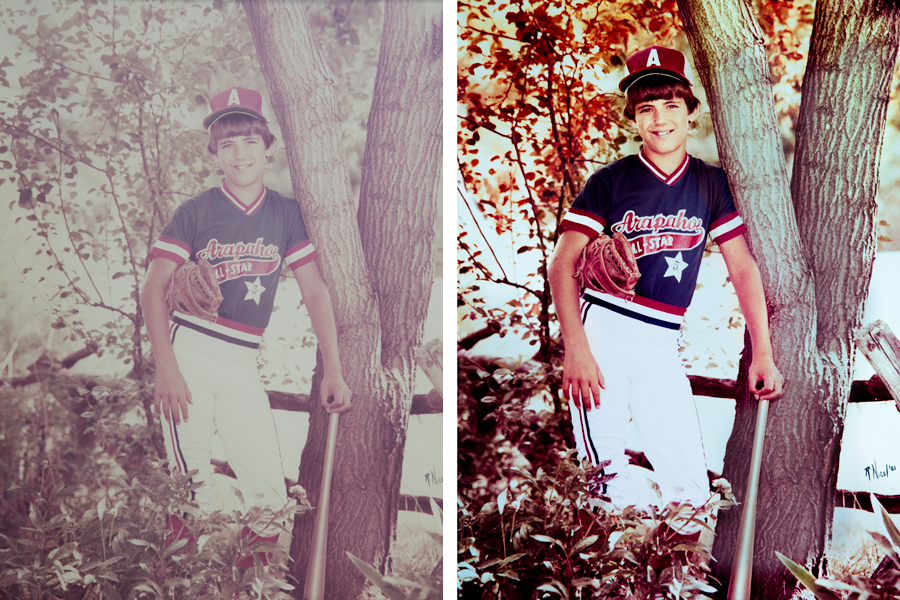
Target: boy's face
[[243, 160], [663, 126]]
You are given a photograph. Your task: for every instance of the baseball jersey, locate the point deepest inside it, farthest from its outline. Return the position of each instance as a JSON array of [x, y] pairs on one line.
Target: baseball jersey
[[666, 218], [246, 246]]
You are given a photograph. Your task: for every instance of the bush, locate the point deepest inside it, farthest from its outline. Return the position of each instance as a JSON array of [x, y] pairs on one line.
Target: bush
[[498, 427], [119, 548], [528, 526], [543, 538]]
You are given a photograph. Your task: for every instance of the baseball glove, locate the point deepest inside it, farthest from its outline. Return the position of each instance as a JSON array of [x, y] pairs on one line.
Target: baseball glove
[[607, 264], [193, 289]]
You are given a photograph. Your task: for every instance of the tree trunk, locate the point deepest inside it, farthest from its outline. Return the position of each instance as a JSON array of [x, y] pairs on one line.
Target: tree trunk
[[378, 265], [815, 255], [840, 130]]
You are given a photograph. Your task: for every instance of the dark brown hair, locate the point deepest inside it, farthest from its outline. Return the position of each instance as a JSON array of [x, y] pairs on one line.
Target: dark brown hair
[[237, 125], [658, 87]]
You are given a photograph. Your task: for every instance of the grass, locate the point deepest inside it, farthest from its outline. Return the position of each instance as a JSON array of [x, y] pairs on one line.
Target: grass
[[859, 563], [416, 550]]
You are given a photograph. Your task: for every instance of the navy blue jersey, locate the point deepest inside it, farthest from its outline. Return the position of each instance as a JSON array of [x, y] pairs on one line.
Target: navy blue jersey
[[666, 218], [246, 246]]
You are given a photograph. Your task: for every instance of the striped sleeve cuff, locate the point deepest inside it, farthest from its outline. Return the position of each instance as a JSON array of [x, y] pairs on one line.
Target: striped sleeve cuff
[[299, 255], [729, 226], [176, 251], [583, 221]]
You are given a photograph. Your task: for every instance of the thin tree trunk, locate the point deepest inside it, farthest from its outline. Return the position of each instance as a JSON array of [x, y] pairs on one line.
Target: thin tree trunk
[[401, 173], [840, 130], [397, 211], [800, 460], [846, 89], [379, 268]]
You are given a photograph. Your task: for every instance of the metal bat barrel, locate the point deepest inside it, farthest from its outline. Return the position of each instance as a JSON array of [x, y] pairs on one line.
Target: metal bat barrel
[[315, 569], [742, 569]]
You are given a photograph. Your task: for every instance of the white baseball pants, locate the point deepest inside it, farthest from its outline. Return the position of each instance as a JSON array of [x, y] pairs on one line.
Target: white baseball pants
[[646, 381], [228, 398]]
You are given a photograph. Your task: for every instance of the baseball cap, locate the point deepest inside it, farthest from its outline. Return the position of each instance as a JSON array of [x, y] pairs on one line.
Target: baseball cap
[[234, 100], [655, 60]]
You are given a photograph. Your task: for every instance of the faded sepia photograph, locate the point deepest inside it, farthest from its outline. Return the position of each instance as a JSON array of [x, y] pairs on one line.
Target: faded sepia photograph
[[221, 340], [677, 250]]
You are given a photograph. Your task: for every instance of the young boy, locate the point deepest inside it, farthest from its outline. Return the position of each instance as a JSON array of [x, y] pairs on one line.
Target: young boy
[[622, 356], [206, 372]]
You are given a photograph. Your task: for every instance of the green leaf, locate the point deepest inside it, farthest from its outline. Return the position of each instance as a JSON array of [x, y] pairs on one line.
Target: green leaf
[[375, 577], [892, 530], [11, 542], [807, 579], [512, 558], [143, 543], [502, 499], [436, 510], [175, 547], [547, 539], [488, 563], [882, 541], [585, 543], [557, 589]]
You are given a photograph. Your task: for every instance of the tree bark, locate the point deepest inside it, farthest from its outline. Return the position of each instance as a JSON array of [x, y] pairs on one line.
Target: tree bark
[[815, 249], [378, 265], [840, 130]]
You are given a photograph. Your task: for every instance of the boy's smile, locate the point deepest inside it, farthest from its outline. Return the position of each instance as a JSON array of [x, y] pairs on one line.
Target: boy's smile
[[243, 161], [663, 127]]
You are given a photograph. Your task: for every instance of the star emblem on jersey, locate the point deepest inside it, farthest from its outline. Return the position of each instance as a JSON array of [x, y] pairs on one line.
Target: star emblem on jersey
[[255, 290], [676, 266]]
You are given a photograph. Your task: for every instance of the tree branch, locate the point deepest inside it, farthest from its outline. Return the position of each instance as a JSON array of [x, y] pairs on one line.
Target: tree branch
[[477, 226], [45, 365], [8, 126], [422, 404]]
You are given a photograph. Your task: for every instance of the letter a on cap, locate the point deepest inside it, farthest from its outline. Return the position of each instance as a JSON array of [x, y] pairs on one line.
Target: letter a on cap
[[654, 60], [234, 100]]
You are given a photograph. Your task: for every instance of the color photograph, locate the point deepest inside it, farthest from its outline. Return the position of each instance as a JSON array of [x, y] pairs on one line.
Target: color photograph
[[677, 248], [221, 345]]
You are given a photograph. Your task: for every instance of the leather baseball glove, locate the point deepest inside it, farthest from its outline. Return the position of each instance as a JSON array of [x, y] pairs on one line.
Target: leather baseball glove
[[193, 289], [607, 264]]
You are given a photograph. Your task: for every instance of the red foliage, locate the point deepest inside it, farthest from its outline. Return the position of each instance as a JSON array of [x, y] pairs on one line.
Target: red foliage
[[539, 110]]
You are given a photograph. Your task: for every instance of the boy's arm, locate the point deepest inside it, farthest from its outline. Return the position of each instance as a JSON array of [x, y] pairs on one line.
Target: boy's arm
[[321, 313], [170, 393], [744, 274], [580, 370]]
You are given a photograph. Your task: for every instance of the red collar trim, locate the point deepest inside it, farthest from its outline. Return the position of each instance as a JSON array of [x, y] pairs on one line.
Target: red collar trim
[[247, 210], [667, 179]]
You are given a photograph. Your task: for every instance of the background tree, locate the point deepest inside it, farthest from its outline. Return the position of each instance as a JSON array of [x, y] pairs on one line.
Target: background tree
[[530, 86], [376, 258], [814, 238], [99, 154]]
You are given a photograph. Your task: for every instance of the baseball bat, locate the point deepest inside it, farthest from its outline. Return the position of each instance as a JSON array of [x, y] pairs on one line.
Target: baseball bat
[[315, 568], [742, 569]]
